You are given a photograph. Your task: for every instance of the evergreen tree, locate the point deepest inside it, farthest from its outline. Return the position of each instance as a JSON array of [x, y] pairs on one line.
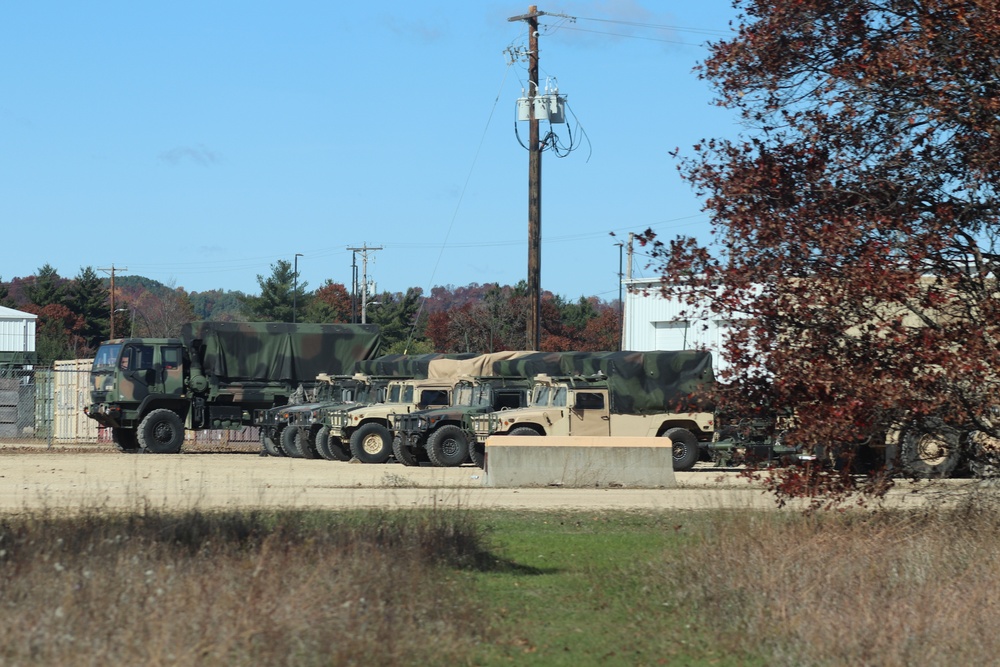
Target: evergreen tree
[[88, 298], [395, 314], [5, 298], [48, 288], [275, 302]]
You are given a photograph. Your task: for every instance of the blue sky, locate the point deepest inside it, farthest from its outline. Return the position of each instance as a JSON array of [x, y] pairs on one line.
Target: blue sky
[[196, 143]]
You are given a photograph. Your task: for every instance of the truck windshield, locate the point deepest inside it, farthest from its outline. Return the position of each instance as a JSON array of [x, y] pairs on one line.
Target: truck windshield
[[464, 394], [540, 395], [400, 394], [107, 357]]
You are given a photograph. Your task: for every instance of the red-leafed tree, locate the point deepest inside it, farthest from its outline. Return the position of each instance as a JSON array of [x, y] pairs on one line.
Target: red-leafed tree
[[857, 216]]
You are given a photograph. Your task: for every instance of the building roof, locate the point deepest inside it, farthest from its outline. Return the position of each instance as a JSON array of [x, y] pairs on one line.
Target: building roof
[[11, 314]]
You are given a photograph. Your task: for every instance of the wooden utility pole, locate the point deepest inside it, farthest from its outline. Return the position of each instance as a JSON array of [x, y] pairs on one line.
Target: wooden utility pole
[[112, 272], [534, 337]]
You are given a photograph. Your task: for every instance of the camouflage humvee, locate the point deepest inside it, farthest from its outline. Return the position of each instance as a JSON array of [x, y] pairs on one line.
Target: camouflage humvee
[[444, 436], [368, 428]]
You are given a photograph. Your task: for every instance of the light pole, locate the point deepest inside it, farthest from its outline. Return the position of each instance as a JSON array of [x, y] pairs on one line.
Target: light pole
[[295, 288]]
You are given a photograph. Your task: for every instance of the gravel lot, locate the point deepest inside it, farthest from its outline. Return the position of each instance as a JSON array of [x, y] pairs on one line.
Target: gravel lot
[[36, 477]]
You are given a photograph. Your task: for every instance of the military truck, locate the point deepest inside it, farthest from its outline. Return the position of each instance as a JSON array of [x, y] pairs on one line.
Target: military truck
[[443, 435], [643, 394], [281, 428], [302, 432], [368, 428], [215, 376]]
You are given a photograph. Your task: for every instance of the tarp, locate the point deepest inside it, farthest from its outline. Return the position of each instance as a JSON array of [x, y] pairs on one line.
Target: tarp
[[278, 351], [404, 365], [478, 366], [638, 382]]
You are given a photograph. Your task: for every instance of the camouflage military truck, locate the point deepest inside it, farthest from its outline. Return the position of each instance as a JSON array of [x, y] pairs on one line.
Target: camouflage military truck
[[280, 427], [304, 435], [368, 428], [216, 375], [443, 435], [339, 425], [645, 394]]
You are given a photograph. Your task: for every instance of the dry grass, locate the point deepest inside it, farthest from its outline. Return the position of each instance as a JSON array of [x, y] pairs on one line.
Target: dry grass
[[885, 588], [236, 588]]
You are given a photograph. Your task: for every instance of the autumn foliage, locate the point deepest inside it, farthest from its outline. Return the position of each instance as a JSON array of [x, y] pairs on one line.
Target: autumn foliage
[[856, 216]]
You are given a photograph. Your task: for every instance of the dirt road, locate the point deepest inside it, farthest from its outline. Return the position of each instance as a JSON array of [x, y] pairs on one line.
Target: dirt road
[[96, 477]]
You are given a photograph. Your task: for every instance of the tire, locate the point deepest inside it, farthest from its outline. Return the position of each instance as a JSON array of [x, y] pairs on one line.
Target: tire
[[306, 443], [371, 443], [330, 448], [523, 430], [686, 450], [930, 449], [448, 446], [290, 441], [403, 453], [267, 442], [477, 452], [161, 432], [125, 439]]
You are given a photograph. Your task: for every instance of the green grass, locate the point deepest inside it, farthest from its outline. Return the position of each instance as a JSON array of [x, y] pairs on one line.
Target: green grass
[[588, 589]]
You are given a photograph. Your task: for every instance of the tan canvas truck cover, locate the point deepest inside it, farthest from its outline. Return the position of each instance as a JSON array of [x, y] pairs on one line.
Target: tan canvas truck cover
[[415, 366], [483, 365], [277, 351]]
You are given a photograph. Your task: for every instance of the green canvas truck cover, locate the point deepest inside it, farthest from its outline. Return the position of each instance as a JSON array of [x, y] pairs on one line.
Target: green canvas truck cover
[[278, 351], [638, 382]]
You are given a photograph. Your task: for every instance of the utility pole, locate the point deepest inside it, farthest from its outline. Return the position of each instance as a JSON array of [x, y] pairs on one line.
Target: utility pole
[[364, 278], [534, 185], [354, 287], [112, 272], [295, 287]]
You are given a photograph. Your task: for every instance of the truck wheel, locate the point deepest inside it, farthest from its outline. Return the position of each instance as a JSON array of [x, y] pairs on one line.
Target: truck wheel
[[477, 452], [125, 439], [290, 441], [523, 430], [686, 450], [306, 443], [371, 443], [403, 453], [448, 446], [329, 448], [930, 449], [268, 443], [161, 432]]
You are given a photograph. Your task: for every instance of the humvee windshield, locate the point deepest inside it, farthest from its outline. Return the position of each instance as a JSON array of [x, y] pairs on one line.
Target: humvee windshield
[[400, 394], [472, 396], [544, 396]]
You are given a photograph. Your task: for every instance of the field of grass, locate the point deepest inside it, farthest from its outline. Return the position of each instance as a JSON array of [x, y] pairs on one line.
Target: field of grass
[[436, 587]]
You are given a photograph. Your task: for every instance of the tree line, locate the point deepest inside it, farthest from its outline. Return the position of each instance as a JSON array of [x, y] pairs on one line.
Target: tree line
[[75, 314]]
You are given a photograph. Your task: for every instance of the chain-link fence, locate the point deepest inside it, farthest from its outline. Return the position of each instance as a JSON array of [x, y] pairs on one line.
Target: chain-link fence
[[44, 405]]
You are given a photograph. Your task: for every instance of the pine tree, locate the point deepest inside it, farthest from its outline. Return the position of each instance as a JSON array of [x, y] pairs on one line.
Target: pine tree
[[275, 302], [88, 297]]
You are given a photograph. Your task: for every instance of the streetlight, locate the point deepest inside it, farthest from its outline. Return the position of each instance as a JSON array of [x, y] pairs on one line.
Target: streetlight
[[295, 288]]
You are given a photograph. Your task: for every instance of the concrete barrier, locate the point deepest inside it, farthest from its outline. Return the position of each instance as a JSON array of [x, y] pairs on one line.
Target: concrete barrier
[[579, 462]]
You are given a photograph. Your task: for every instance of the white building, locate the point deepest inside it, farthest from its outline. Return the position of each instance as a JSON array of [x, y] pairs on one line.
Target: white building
[[17, 337], [652, 322]]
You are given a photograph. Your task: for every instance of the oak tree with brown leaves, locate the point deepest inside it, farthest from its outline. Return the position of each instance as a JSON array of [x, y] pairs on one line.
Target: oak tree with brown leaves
[[856, 219]]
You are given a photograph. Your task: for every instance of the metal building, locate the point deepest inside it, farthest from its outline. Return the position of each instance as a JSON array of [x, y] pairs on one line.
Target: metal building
[[17, 338], [652, 322]]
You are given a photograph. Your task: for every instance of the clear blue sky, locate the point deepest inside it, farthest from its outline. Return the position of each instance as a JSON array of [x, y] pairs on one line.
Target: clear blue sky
[[196, 143]]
